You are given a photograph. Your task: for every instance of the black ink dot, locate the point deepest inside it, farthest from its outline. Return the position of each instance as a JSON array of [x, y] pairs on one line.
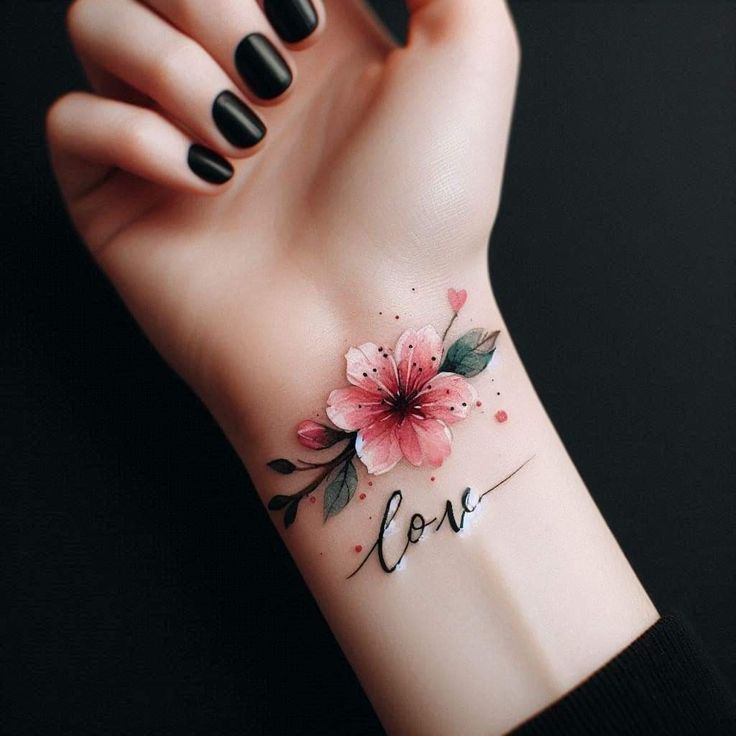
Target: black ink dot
[[360, 406], [413, 289], [375, 369], [429, 386], [464, 404], [380, 350], [498, 393], [434, 357], [365, 375], [410, 347], [380, 313], [452, 408], [413, 364], [420, 369]]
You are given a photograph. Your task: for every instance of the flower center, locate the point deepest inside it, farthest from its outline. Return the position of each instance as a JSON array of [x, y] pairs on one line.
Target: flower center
[[402, 403]]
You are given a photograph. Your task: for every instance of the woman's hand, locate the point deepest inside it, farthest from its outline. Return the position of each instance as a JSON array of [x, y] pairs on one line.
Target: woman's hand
[[363, 212], [379, 172]]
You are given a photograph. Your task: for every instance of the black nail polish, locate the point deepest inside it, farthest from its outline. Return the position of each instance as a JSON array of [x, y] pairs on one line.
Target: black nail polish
[[293, 20], [236, 121], [262, 67], [208, 165]]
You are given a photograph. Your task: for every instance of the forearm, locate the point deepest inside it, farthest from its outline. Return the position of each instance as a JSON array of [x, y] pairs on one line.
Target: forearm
[[451, 630]]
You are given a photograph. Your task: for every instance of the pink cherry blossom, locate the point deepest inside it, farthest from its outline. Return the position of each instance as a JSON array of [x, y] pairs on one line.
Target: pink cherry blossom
[[398, 403]]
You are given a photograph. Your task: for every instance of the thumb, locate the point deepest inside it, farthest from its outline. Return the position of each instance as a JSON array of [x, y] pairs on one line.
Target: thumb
[[472, 25]]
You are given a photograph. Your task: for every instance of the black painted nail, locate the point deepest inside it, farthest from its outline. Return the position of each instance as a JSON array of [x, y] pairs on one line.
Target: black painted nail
[[236, 121], [208, 165], [293, 20], [262, 67]]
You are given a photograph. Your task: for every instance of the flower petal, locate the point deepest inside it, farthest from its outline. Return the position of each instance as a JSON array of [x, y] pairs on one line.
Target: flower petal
[[378, 446], [424, 441], [418, 356], [353, 408], [372, 368], [447, 397]]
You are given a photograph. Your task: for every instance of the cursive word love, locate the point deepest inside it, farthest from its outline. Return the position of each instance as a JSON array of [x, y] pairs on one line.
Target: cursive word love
[[418, 525]]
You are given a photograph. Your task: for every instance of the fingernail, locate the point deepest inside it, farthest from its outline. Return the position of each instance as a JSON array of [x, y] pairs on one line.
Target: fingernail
[[208, 165], [236, 121], [262, 68], [293, 20]]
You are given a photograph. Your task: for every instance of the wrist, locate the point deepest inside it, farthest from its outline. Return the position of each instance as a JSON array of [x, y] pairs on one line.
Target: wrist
[[531, 592]]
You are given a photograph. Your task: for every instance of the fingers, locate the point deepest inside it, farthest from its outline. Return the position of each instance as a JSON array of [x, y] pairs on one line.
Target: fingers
[[132, 43], [238, 35], [196, 63], [88, 135]]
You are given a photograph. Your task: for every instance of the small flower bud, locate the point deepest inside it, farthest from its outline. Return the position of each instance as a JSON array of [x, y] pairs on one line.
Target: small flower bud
[[317, 436]]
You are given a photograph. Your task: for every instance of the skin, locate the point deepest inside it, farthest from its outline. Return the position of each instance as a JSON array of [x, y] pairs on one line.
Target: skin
[[366, 129], [372, 194]]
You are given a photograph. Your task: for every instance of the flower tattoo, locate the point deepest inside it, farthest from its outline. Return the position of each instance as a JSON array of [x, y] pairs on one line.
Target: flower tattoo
[[400, 404]]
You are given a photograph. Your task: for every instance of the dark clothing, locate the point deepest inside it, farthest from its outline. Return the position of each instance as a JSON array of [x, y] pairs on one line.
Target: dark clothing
[[660, 684]]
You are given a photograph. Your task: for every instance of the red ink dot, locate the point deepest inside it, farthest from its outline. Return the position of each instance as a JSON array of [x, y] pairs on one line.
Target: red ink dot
[[358, 547], [501, 416], [380, 313], [361, 496], [312, 499], [370, 482], [432, 479], [396, 317], [479, 403]]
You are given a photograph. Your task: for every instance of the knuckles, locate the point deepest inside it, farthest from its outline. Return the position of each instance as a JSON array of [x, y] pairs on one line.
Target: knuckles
[[173, 62]]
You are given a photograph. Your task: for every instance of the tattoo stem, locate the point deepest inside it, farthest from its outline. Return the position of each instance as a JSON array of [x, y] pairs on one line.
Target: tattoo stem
[[447, 329], [345, 455]]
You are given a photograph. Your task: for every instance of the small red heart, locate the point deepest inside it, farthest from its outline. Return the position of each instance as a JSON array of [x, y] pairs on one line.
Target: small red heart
[[457, 298]]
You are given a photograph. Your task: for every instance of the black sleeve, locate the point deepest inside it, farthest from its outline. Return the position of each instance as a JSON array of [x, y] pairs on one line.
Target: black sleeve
[[661, 684]]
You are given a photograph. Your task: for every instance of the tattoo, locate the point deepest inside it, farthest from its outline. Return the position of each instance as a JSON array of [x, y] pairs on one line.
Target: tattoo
[[418, 524], [399, 405]]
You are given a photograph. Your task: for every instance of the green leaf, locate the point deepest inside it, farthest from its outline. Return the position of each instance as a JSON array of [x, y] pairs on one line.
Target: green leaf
[[276, 503], [282, 465], [290, 514], [341, 485], [471, 353]]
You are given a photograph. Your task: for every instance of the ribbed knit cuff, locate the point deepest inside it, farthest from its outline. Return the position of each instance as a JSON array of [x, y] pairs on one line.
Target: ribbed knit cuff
[[661, 684]]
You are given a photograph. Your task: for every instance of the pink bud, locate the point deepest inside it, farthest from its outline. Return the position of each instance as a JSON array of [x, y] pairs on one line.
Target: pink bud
[[317, 436]]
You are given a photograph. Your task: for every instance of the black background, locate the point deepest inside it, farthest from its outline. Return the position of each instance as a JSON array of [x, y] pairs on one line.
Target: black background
[[144, 590]]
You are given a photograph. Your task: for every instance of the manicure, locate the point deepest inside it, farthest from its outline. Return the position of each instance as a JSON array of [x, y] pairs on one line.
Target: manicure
[[236, 121], [293, 20], [261, 66], [208, 165]]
